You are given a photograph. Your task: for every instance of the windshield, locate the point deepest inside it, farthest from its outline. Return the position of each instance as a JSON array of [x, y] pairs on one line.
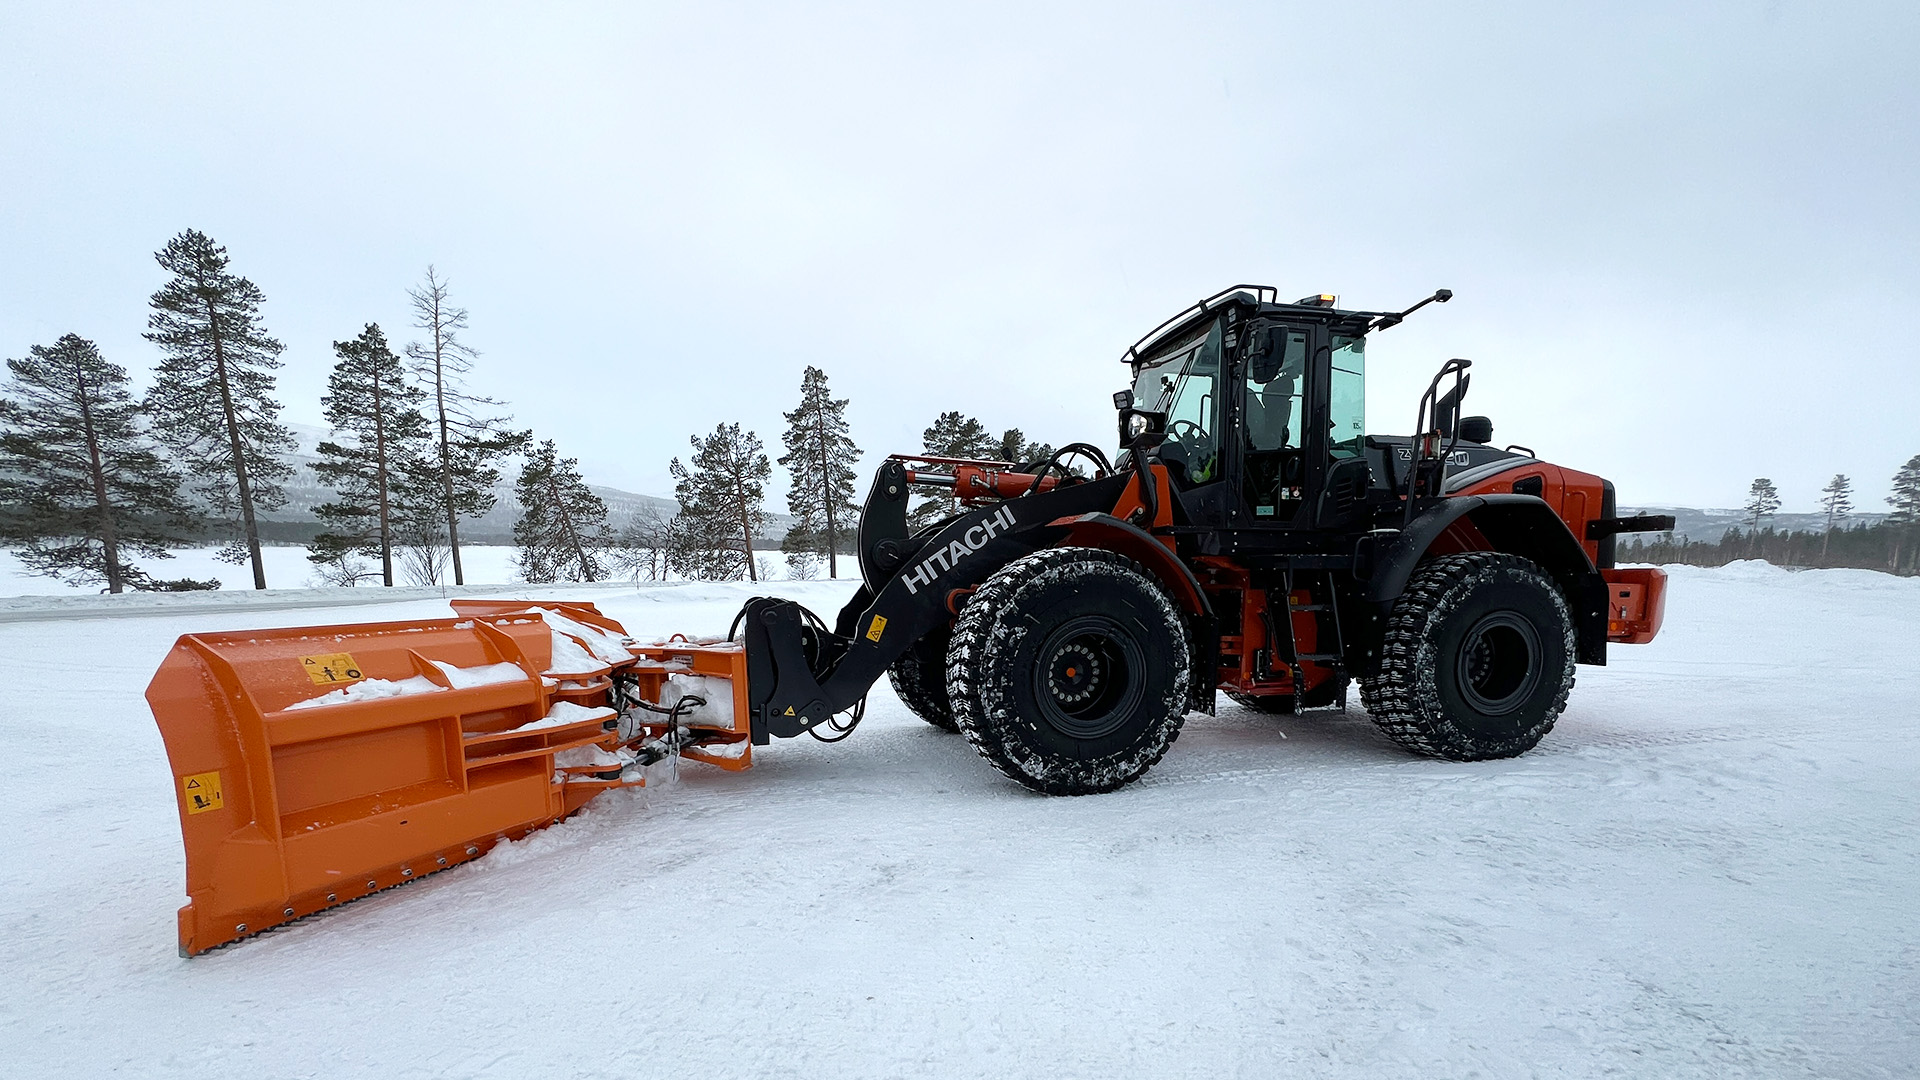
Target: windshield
[[1182, 383]]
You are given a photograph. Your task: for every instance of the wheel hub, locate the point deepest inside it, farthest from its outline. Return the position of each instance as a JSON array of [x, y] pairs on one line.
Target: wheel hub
[[1074, 673], [1089, 673], [1499, 663]]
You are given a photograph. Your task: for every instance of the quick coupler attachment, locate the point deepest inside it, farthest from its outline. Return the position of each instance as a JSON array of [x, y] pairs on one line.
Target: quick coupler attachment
[[788, 652]]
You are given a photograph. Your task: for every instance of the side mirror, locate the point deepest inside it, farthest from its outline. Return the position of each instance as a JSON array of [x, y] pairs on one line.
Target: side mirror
[[1265, 353], [1476, 429]]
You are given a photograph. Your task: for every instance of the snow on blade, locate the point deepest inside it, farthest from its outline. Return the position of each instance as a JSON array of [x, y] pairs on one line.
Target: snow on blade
[[591, 756], [570, 659], [372, 690], [483, 675], [562, 714], [717, 712], [605, 647]]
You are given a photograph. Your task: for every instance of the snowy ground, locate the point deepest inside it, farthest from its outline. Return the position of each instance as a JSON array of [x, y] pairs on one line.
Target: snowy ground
[[287, 568], [1708, 869]]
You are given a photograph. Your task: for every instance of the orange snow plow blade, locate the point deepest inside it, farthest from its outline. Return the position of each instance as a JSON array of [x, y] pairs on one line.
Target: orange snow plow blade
[[316, 766]]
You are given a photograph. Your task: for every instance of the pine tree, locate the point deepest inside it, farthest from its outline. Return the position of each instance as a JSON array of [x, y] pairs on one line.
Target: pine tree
[[1762, 500], [819, 460], [1837, 501], [721, 495], [212, 400], [1905, 517], [562, 530], [1014, 446], [952, 435], [370, 400], [465, 442], [83, 486]]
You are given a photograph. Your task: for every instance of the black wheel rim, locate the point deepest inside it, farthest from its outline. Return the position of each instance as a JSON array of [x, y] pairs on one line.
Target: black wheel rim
[[1088, 677], [1499, 663]]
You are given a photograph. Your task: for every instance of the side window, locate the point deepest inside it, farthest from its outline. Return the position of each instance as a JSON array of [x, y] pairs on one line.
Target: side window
[[1347, 398], [1273, 395]]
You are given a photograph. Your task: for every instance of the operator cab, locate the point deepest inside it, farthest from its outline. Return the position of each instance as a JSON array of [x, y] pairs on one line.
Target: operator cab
[[1288, 381]]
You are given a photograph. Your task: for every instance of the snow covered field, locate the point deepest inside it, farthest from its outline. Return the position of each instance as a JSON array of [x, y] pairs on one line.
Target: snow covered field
[[1709, 869], [287, 568]]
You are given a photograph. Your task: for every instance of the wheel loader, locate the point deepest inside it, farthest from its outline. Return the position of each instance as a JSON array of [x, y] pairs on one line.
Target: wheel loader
[[1249, 536]]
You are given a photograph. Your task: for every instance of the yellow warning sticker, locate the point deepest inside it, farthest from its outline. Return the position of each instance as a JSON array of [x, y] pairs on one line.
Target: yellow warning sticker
[[328, 668], [789, 711], [202, 792], [879, 627]]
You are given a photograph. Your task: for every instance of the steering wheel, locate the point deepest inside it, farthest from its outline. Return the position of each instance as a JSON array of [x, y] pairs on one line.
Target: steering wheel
[[1175, 431]]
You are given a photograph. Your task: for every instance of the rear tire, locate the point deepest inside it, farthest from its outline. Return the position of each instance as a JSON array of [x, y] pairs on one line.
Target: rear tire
[[1069, 671], [1477, 660], [919, 679]]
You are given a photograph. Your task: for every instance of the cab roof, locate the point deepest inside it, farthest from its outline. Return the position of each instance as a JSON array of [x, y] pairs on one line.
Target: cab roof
[[1263, 300]]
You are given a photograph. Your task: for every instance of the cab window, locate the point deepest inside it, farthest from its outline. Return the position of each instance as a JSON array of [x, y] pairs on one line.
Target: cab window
[[1184, 383], [1347, 398]]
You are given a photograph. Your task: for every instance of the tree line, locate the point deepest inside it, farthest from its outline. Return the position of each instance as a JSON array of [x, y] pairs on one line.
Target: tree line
[[1892, 544], [720, 491], [94, 480]]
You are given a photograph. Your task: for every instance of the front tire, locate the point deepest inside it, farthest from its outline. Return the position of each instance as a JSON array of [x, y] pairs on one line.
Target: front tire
[[1477, 660], [1069, 671]]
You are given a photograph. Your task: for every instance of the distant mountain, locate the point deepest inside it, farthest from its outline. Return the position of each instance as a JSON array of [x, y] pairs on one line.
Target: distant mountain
[[296, 522], [1711, 525]]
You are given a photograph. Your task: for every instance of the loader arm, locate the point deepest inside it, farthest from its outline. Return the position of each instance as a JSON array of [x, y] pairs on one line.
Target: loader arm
[[799, 674]]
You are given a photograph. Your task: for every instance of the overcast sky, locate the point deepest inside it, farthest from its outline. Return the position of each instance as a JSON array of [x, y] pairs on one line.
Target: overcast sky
[[1684, 238]]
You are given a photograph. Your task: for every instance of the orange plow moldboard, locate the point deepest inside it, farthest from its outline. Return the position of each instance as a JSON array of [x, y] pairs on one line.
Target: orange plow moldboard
[[315, 766]]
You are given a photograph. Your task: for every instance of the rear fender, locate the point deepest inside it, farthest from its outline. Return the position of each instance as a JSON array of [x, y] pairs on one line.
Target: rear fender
[[1522, 525]]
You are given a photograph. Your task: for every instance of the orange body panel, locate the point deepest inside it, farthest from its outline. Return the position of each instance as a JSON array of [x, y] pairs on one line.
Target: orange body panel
[[1636, 603], [1576, 497], [289, 808]]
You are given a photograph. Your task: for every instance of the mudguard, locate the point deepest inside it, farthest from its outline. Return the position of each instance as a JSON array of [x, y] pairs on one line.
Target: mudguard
[[1522, 525]]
